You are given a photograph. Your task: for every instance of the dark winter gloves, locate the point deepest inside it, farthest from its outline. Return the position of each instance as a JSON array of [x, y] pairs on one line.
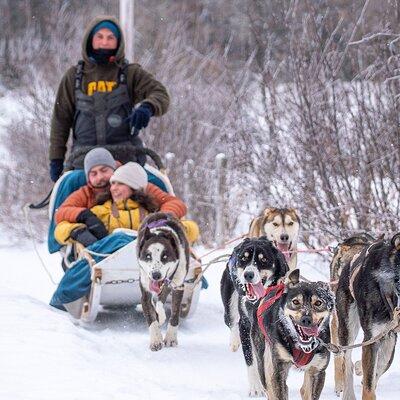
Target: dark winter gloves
[[83, 236], [141, 116], [93, 224], [56, 169], [94, 230]]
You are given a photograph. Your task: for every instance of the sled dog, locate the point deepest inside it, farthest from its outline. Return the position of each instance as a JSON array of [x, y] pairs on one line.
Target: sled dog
[[254, 265], [281, 226], [287, 328], [343, 255], [367, 294], [163, 257]]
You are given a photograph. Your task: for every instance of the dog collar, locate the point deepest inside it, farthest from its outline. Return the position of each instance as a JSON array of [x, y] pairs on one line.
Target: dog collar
[[157, 224]]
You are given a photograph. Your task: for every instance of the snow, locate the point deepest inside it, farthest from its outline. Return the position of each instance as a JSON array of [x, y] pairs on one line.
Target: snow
[[43, 355]]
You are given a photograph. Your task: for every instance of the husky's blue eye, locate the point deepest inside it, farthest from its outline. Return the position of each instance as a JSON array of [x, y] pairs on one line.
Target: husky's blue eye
[[148, 256], [164, 257]]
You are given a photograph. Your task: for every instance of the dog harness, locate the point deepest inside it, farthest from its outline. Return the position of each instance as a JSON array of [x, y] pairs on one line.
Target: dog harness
[[272, 294]]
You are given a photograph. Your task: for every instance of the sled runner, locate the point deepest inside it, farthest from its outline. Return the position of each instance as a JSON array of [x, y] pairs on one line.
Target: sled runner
[[107, 272]]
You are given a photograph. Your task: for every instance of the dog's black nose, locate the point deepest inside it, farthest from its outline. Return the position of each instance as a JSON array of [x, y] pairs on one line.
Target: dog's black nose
[[306, 320], [248, 275], [284, 237], [156, 275]]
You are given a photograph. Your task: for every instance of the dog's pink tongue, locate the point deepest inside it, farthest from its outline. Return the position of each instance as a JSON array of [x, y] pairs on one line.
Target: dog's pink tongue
[[259, 290], [310, 331], [284, 248], [155, 286]]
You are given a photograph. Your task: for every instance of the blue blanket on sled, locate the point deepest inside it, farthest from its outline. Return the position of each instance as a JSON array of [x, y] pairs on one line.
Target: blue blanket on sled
[[77, 280]]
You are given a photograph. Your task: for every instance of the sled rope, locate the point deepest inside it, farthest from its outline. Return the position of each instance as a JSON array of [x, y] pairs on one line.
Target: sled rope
[[393, 325], [26, 209], [308, 251], [221, 258], [224, 244]]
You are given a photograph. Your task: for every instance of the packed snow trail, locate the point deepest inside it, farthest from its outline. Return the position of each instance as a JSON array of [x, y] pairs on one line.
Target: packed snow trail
[[44, 356]]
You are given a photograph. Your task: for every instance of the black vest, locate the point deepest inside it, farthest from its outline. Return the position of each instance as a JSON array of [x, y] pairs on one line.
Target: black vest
[[90, 126]]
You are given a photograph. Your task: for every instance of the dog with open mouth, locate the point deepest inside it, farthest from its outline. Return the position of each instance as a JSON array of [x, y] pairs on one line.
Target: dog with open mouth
[[163, 257], [287, 330], [281, 226], [254, 265]]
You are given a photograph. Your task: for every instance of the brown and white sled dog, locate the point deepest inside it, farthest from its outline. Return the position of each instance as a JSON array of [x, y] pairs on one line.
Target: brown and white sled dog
[[163, 257], [367, 294], [281, 226], [344, 253], [287, 328]]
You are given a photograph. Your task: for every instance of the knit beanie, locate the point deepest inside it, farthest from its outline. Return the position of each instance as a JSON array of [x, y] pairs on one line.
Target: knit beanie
[[131, 174], [108, 25], [98, 156]]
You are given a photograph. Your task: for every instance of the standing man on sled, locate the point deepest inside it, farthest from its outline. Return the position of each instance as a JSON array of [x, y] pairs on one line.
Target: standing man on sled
[[103, 84]]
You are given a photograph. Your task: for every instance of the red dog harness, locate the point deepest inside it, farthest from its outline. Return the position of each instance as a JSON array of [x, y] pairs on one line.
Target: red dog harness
[[300, 358]]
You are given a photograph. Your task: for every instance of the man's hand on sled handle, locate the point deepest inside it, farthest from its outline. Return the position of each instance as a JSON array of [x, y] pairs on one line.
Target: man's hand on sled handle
[[140, 117]]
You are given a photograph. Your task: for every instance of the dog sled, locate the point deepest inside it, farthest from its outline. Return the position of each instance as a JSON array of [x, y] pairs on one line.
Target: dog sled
[[113, 275]]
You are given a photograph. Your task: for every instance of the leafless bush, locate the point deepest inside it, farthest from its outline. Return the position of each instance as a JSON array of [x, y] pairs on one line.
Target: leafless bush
[[302, 97], [334, 144]]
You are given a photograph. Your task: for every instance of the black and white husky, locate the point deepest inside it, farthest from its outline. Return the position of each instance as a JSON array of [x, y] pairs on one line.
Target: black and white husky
[[254, 265], [163, 257]]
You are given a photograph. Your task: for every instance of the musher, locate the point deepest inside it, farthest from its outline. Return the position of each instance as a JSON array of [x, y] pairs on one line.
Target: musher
[[103, 84]]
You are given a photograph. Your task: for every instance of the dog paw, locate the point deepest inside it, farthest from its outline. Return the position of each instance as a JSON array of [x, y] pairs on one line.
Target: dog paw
[[156, 341], [358, 368], [338, 392], [256, 392], [171, 337], [170, 343], [155, 346]]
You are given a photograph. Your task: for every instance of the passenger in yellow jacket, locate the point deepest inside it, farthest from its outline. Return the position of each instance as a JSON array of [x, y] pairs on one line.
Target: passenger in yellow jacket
[[126, 206]]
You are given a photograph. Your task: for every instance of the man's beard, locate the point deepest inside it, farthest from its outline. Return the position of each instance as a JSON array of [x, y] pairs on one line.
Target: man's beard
[[102, 185]]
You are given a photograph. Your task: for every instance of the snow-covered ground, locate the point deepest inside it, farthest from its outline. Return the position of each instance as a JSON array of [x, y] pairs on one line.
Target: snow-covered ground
[[44, 356]]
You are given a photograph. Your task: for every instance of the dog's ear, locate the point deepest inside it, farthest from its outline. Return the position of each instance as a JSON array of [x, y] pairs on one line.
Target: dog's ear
[[295, 213], [145, 236], [267, 211], [254, 228], [396, 241], [293, 278]]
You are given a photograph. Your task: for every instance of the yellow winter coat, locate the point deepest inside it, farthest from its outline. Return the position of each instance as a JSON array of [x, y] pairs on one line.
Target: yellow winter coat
[[123, 214]]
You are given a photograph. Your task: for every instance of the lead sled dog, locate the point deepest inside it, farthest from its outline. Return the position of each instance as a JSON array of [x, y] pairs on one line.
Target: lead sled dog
[[163, 257]]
